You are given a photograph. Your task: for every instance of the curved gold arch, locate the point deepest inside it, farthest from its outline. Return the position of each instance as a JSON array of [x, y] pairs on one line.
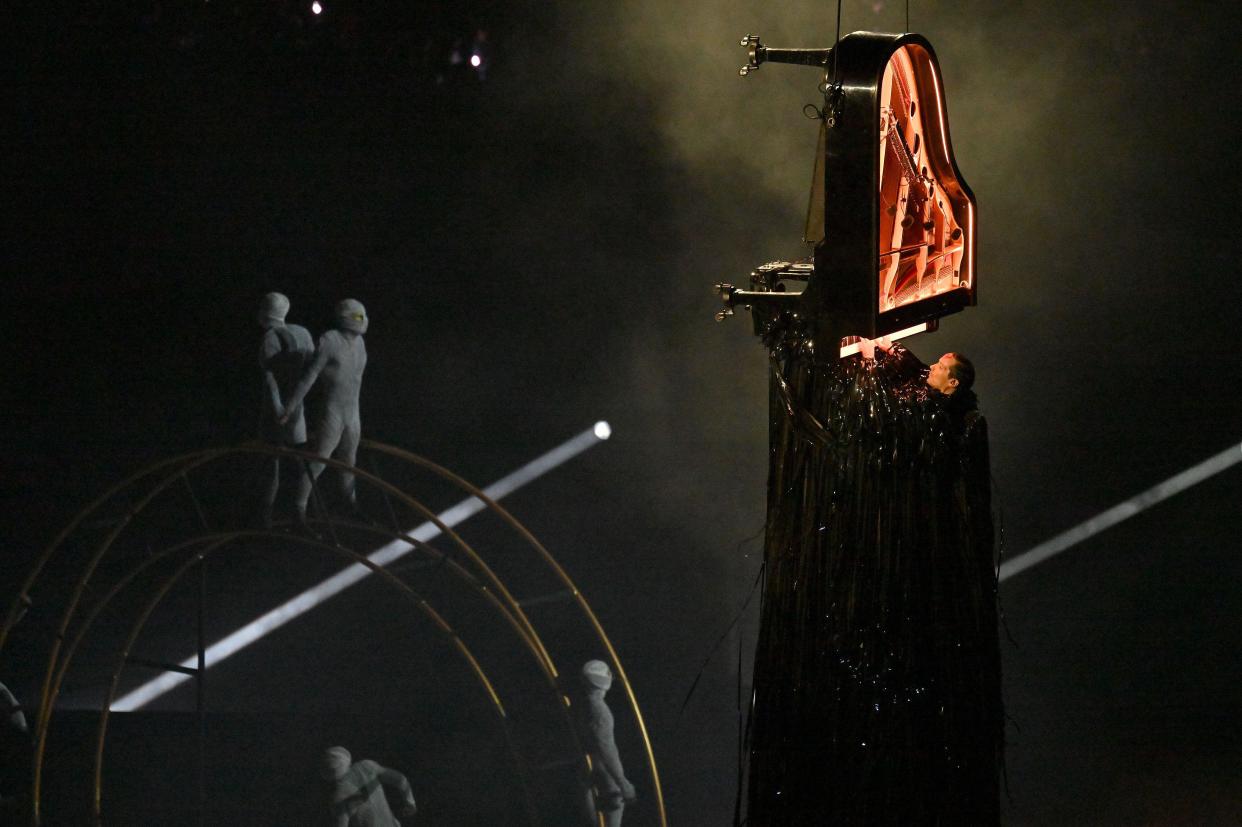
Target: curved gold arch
[[192, 461], [497, 595], [564, 578], [216, 542], [201, 459], [10, 619]]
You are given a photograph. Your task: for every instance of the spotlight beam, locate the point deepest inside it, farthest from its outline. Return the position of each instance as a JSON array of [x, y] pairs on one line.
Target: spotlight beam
[[312, 597], [1123, 511]]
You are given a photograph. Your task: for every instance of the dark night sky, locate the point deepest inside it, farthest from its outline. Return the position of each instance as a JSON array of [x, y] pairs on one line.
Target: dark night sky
[[537, 252]]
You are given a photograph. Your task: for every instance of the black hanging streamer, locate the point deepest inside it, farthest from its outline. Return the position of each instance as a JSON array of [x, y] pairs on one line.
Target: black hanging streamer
[[876, 692]]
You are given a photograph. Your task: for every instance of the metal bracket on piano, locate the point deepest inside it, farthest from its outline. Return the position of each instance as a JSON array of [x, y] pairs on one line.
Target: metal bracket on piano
[[754, 54], [757, 53], [733, 296]]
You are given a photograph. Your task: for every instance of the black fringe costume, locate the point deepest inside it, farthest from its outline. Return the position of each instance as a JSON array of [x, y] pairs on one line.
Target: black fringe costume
[[877, 696]]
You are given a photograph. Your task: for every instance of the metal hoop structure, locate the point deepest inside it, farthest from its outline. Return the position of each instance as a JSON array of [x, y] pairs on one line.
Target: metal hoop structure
[[110, 567]]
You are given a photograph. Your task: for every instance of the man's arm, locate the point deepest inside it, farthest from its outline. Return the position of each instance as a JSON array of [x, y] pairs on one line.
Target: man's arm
[[897, 361], [398, 782], [609, 757], [269, 349], [12, 709], [308, 378]]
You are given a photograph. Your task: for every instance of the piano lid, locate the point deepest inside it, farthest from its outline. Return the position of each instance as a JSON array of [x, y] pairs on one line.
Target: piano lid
[[891, 128], [891, 220], [926, 216]]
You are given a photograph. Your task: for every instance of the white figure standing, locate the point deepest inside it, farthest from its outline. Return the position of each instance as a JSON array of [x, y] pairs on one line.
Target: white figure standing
[[340, 359], [283, 353], [358, 798], [612, 790]]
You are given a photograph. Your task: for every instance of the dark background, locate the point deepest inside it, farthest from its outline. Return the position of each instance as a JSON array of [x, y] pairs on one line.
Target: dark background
[[536, 251]]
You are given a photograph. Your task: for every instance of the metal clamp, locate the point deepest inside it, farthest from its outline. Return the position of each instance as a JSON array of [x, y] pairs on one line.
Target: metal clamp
[[725, 291], [754, 54]]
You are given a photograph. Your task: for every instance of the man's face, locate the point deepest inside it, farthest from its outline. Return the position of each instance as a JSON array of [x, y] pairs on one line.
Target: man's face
[[940, 376]]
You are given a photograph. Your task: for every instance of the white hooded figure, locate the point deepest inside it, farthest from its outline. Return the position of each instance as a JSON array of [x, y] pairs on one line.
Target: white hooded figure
[[357, 795], [15, 754], [611, 788], [339, 362], [283, 353]]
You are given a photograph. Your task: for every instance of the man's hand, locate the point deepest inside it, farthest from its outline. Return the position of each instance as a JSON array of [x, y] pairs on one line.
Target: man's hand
[[867, 347], [627, 790]]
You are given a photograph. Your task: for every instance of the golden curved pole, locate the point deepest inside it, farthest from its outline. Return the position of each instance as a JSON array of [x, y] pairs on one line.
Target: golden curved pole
[[15, 607], [468, 655], [193, 461], [488, 574], [97, 609], [562, 701], [469, 578], [504, 602], [453, 565], [97, 778], [71, 650], [564, 577], [217, 541], [514, 608], [200, 459]]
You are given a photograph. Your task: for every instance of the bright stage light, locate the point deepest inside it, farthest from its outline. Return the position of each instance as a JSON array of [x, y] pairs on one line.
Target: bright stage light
[[316, 8], [336, 584], [1123, 511], [476, 61]]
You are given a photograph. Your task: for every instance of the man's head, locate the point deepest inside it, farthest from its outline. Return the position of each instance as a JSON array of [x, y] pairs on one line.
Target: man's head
[[952, 372], [596, 675], [336, 762], [273, 309], [351, 316]]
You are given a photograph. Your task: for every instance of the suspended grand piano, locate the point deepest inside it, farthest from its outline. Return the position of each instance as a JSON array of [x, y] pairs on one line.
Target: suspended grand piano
[[875, 693], [891, 220]]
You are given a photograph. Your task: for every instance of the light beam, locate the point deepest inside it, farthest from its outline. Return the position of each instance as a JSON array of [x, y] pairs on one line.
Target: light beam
[[1123, 511], [312, 597]]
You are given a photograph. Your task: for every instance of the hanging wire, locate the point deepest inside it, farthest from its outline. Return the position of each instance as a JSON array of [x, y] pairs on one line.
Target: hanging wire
[[832, 92], [835, 50], [744, 733], [829, 87], [740, 613]]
